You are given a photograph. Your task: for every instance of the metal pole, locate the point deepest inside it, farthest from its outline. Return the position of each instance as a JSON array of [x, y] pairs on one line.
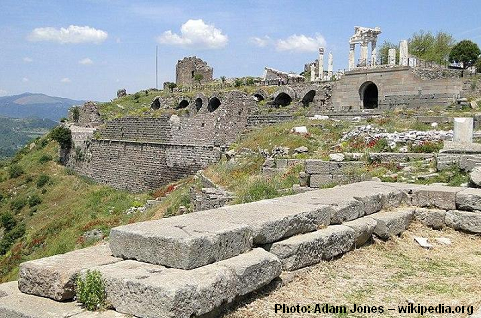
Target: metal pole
[[156, 67]]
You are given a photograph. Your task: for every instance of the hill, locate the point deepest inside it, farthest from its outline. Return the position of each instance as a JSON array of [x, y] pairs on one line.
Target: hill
[[29, 105]]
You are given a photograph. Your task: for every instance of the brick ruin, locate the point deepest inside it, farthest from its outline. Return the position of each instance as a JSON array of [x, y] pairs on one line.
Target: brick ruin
[[189, 67]]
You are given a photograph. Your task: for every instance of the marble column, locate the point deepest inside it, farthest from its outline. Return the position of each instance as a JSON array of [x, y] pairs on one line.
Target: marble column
[[329, 67], [321, 63], [313, 72], [391, 60], [373, 54], [403, 53], [364, 48], [352, 55]]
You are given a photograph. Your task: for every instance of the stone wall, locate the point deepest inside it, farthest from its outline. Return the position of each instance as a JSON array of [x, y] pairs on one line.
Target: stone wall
[[188, 67], [324, 173], [86, 115]]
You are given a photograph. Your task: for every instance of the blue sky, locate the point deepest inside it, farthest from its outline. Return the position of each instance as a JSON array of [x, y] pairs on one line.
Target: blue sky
[[111, 43]]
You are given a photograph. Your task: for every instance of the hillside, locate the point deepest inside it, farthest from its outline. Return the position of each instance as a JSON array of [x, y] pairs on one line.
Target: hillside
[[36, 105], [17, 132]]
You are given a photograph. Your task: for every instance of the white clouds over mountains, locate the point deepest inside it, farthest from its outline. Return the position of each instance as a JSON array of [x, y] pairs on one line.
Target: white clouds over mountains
[[73, 34], [195, 33]]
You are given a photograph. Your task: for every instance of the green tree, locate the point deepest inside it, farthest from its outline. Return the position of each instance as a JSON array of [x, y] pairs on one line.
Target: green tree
[[15, 171], [223, 79], [478, 65], [466, 52], [63, 136], [198, 78], [431, 47], [384, 52], [172, 86]]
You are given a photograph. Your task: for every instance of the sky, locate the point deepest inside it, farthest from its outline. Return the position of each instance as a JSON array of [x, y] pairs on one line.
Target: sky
[[87, 49]]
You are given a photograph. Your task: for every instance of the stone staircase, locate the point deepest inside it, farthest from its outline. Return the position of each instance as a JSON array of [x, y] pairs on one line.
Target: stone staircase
[[193, 265]]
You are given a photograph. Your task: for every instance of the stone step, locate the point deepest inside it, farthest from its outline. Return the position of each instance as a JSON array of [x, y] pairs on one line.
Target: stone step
[[392, 223], [469, 199], [311, 248], [433, 218], [15, 304], [430, 196], [153, 291], [363, 229], [464, 221], [54, 277]]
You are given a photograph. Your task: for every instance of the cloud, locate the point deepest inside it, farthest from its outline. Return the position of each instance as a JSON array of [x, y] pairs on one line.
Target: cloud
[[86, 61], [65, 80], [3, 92], [195, 33], [301, 43], [260, 42], [72, 35], [25, 79], [27, 60]]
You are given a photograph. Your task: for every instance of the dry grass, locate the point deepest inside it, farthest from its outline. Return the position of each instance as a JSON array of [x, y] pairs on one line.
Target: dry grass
[[385, 273]]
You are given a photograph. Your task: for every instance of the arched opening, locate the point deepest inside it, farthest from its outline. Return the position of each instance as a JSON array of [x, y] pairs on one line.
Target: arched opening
[[369, 95], [198, 104], [282, 99], [183, 104], [258, 97], [308, 98], [214, 103], [155, 104]]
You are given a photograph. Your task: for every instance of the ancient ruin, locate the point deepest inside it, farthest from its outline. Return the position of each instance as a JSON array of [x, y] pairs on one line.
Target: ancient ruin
[[193, 70], [363, 36]]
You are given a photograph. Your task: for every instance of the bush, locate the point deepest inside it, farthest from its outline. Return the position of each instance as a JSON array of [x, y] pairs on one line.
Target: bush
[[75, 114], [8, 221], [10, 238], [45, 158], [1, 197], [42, 180], [18, 204], [63, 136], [91, 291], [15, 171], [34, 200], [257, 190]]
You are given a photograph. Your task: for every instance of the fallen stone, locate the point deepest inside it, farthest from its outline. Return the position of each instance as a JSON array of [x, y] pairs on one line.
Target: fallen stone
[[300, 130], [423, 242], [311, 248], [434, 218], [469, 200], [363, 229], [54, 277], [392, 223], [338, 157], [181, 241], [151, 291], [302, 149], [475, 176], [464, 221], [441, 197], [15, 304], [443, 240]]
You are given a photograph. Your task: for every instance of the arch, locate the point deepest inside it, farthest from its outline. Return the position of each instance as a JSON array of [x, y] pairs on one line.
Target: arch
[[308, 98], [155, 103], [183, 104], [282, 99], [198, 103], [214, 103], [369, 95], [258, 97]]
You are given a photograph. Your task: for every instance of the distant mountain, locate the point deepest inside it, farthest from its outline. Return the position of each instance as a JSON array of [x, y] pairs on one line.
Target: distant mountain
[[30, 105]]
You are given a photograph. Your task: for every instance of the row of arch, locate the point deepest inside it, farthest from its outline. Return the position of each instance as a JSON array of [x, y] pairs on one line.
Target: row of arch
[[212, 105]]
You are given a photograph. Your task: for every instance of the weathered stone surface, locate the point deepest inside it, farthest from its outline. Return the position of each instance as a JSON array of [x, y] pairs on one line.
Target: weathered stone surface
[[308, 249], [392, 223], [433, 218], [313, 166], [464, 221], [15, 304], [54, 277], [154, 291], [442, 197], [363, 229], [469, 199], [181, 242]]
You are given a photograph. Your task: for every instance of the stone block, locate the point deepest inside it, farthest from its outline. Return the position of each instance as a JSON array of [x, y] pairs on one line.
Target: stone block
[[363, 229], [434, 218], [441, 197], [311, 248], [464, 221], [54, 277], [320, 180], [181, 242], [314, 166], [463, 130], [392, 223], [469, 199], [15, 304], [152, 291]]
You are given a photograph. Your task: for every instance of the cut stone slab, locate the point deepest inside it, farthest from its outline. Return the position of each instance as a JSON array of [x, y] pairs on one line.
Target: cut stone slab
[[475, 176], [152, 291], [469, 200], [274, 219], [434, 218], [183, 241], [54, 277], [311, 248], [443, 240], [15, 304], [423, 242], [392, 223], [363, 229], [441, 197], [464, 221]]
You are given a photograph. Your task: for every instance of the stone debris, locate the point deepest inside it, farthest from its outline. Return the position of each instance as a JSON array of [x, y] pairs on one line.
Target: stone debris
[[300, 130], [423, 242], [443, 240], [301, 149], [338, 157]]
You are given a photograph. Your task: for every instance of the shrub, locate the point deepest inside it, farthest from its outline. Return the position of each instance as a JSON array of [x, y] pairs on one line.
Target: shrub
[[75, 114], [63, 136], [45, 158], [1, 197], [34, 200], [257, 190], [18, 204], [8, 221], [15, 171], [137, 96], [91, 291], [10, 238], [42, 180]]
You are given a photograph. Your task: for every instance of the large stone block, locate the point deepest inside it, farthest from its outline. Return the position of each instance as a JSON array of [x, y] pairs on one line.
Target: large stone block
[[469, 199], [363, 229], [308, 249], [441, 197], [320, 180], [392, 223], [314, 166], [54, 277], [15, 304], [181, 242], [464, 221], [153, 291], [433, 218]]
